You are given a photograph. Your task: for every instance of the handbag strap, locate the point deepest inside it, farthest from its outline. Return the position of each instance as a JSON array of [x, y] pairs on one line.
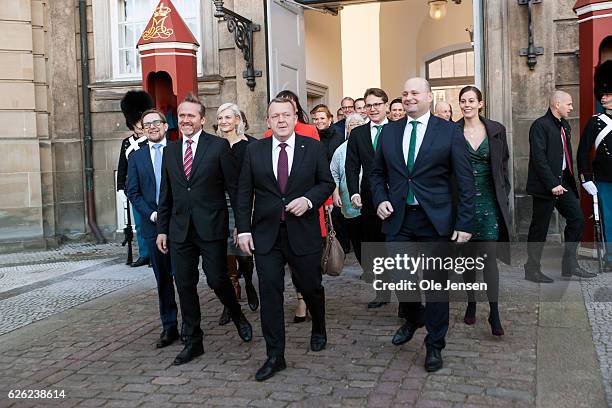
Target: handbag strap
[[328, 219]]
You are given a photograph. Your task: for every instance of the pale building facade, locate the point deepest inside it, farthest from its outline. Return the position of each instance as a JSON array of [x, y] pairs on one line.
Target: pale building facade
[[42, 183]]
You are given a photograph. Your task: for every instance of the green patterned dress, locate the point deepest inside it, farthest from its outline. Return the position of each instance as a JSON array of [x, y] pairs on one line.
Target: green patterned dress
[[486, 227]]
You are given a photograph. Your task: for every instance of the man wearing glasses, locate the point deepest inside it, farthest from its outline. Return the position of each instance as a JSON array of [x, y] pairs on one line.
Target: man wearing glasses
[[144, 167], [360, 157], [348, 106]]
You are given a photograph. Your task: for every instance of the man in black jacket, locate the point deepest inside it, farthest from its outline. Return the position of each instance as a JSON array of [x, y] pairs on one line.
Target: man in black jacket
[[551, 182], [288, 178], [193, 221]]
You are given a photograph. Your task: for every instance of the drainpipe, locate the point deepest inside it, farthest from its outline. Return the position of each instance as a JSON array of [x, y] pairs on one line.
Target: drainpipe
[[87, 139]]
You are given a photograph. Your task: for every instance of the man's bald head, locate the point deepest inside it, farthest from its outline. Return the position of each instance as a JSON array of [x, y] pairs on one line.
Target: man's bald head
[[443, 110], [417, 97], [418, 83], [561, 104]]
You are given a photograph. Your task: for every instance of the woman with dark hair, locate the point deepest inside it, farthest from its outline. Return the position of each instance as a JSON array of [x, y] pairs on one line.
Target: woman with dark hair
[[488, 150], [231, 126], [303, 128]]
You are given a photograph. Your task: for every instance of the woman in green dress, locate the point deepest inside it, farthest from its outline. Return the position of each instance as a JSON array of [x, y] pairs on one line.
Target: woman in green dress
[[488, 150]]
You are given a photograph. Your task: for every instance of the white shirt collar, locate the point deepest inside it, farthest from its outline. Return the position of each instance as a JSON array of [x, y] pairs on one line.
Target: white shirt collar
[[384, 122], [195, 137], [290, 142], [421, 119], [163, 143]]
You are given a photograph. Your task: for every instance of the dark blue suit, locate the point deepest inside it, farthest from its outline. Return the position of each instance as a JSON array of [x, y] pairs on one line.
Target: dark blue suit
[[141, 192], [442, 156]]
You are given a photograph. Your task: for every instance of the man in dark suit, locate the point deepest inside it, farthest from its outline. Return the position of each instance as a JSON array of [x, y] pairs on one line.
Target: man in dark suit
[[411, 187], [348, 106], [193, 221], [143, 187], [288, 178], [359, 160], [550, 180]]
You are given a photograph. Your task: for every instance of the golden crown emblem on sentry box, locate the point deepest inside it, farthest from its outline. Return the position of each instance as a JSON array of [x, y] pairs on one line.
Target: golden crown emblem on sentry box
[[162, 11]]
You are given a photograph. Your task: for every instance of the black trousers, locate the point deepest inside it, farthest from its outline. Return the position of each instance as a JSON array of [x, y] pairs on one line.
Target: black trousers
[[416, 227], [355, 232], [569, 208], [307, 278], [185, 257], [162, 267]]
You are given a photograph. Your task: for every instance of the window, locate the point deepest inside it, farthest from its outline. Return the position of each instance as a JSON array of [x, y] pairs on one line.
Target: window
[[132, 17]]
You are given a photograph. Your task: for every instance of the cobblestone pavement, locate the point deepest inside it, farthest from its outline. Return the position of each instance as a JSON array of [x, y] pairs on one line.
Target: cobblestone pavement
[[101, 352]]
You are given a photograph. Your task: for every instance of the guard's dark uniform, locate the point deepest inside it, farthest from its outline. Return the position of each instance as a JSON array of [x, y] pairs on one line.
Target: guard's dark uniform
[[130, 144], [597, 135]]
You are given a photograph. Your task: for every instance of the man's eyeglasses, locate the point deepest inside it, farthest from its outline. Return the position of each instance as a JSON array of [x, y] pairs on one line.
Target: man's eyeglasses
[[155, 123], [377, 105], [283, 116], [345, 108]]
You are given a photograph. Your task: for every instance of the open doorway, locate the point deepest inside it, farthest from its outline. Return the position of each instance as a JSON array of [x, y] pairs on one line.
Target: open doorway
[[349, 46]]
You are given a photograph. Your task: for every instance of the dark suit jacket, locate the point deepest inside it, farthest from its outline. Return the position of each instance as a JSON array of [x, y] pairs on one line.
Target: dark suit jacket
[[360, 155], [310, 177], [498, 148], [340, 127], [546, 156], [199, 201], [443, 153], [141, 189]]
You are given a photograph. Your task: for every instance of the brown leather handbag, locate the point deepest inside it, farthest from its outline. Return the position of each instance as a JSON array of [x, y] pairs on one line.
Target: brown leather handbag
[[332, 260]]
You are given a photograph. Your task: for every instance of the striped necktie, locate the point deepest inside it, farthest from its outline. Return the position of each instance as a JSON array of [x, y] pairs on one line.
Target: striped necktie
[[188, 159]]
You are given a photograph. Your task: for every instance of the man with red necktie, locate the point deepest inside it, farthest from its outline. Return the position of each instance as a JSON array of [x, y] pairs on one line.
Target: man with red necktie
[[551, 182], [284, 180], [192, 221]]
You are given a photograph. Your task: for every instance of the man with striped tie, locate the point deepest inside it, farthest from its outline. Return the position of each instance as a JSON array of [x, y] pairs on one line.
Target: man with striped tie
[[193, 220]]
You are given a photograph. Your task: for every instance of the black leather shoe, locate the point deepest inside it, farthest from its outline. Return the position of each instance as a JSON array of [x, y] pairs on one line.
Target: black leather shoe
[[537, 276], [140, 262], [375, 304], [245, 330], [225, 317], [167, 337], [318, 342], [191, 351], [433, 360], [270, 367], [578, 272], [252, 298], [404, 334]]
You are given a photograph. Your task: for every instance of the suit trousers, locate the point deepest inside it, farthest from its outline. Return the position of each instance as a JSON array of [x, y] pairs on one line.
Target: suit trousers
[[185, 257], [416, 227], [143, 249], [569, 207], [162, 268], [307, 279]]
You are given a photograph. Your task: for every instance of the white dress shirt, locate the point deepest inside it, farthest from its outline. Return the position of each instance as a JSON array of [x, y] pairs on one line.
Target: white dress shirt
[[373, 129], [163, 142], [290, 148], [421, 129], [195, 138]]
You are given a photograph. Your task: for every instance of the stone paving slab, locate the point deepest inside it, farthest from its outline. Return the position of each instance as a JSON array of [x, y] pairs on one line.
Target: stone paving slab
[[102, 353]]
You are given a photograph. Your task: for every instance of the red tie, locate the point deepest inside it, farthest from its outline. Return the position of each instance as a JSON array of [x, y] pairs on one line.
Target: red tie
[[188, 159], [568, 163]]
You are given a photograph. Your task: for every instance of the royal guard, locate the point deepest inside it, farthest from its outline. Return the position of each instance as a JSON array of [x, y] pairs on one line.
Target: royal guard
[[596, 175], [133, 104]]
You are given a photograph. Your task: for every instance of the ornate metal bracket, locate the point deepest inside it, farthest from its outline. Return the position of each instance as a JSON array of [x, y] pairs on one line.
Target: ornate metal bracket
[[531, 52], [243, 30]]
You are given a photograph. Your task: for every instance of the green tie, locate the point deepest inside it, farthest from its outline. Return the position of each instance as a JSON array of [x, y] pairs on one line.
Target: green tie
[[378, 129], [410, 163]]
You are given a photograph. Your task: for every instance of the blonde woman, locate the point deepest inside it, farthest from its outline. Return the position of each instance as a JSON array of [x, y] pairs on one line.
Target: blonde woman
[[231, 126]]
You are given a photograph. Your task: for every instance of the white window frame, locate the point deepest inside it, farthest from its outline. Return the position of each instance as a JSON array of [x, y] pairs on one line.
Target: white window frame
[[106, 42]]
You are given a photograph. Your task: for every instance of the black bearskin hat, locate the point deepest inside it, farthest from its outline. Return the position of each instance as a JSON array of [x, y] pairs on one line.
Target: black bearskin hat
[[133, 104], [603, 79]]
